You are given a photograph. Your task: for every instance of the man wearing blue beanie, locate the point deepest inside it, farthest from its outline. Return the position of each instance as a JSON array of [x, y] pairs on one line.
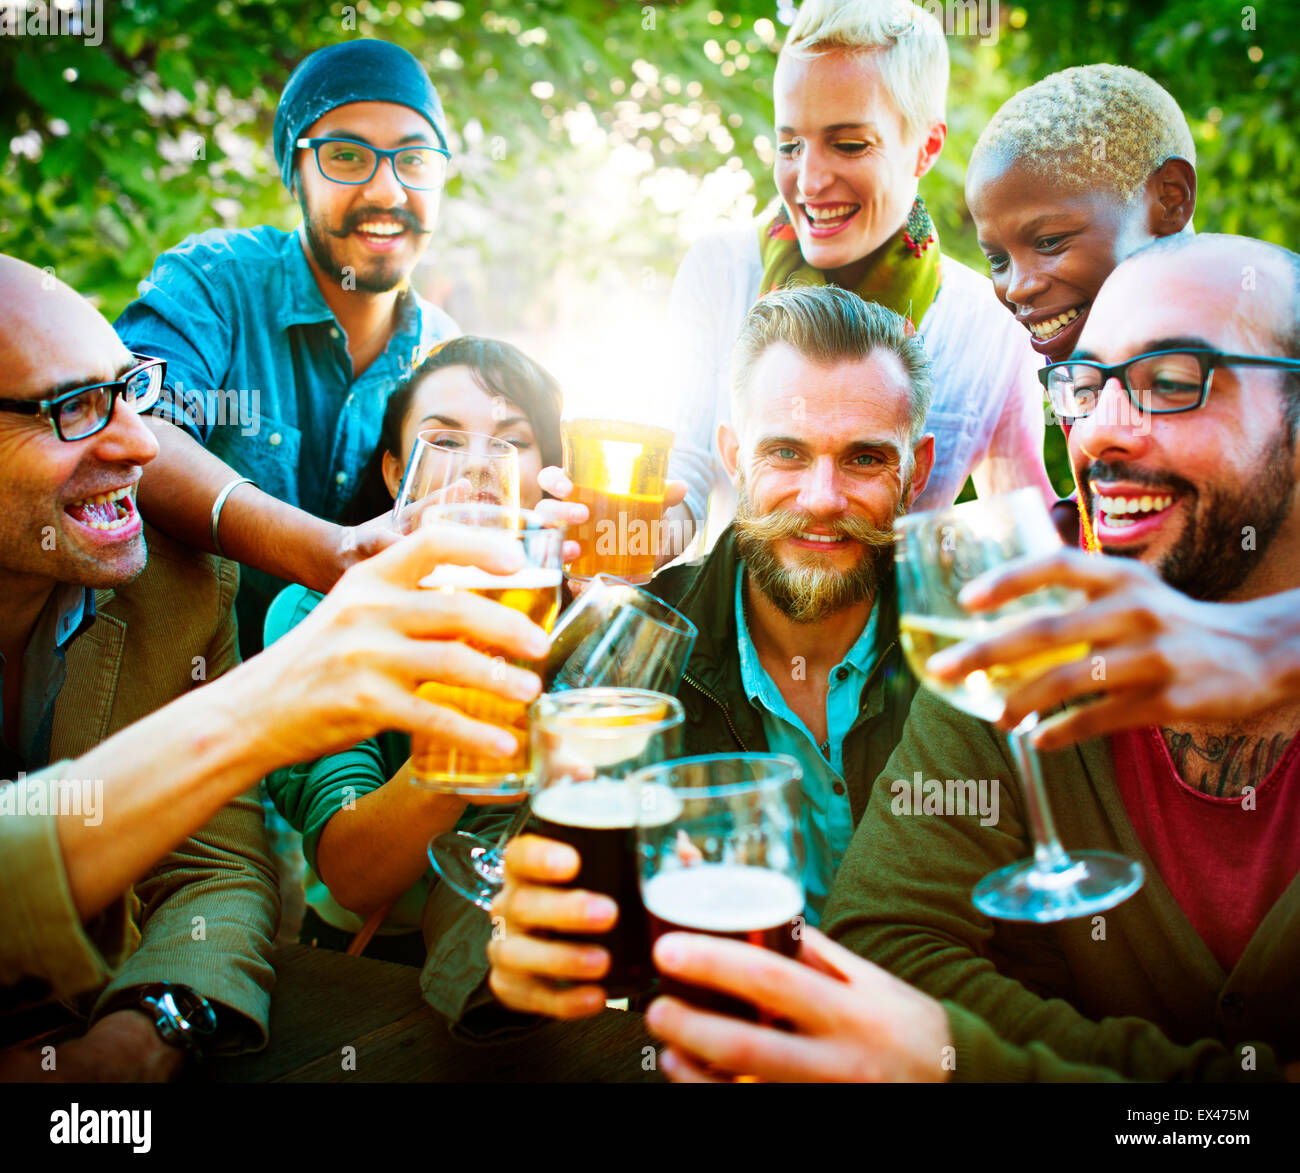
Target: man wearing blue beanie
[[282, 348]]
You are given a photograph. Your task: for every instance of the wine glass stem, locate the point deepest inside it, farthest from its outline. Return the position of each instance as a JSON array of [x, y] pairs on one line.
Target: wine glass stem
[[1049, 855], [512, 829]]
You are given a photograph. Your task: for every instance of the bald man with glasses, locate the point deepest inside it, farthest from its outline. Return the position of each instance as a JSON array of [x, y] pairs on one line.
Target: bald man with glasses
[[135, 879]]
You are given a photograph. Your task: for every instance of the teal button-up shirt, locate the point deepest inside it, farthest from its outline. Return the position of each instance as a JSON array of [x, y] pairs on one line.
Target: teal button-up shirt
[[258, 372], [826, 818]]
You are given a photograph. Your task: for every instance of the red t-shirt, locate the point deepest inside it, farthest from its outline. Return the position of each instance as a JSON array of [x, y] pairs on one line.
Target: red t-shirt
[[1225, 863]]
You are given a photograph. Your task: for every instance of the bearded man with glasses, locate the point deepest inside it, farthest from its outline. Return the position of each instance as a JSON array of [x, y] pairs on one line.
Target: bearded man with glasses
[[1185, 404], [281, 348]]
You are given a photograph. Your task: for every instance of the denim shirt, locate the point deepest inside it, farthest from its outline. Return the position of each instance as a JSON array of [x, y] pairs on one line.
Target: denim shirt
[[258, 371], [825, 816]]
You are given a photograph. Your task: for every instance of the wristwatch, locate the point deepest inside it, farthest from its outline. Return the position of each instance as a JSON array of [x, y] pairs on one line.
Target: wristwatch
[[183, 1017]]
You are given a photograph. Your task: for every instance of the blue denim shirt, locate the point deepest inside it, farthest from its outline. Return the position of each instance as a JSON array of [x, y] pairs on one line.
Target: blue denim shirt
[[258, 371], [826, 816]]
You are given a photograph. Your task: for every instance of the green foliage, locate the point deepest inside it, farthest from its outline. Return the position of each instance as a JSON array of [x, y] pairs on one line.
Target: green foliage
[[593, 136]]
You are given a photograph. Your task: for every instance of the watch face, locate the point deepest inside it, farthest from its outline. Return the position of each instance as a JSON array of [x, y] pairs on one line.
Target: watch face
[[184, 1017]]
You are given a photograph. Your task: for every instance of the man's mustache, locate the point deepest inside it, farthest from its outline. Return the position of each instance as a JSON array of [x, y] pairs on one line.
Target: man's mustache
[[786, 523], [401, 215], [1104, 471]]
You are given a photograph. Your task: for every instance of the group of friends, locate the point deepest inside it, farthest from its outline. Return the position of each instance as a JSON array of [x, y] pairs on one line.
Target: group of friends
[[840, 370]]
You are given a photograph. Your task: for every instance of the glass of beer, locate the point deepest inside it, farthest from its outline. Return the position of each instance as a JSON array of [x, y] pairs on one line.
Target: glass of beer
[[448, 465], [936, 554], [618, 472], [617, 636], [586, 743], [534, 591], [720, 852]]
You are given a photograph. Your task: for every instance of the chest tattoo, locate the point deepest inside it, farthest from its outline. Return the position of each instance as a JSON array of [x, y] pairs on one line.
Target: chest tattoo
[[1224, 766]]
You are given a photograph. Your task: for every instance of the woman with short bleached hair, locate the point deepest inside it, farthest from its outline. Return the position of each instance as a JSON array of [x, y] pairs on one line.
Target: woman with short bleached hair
[[859, 94]]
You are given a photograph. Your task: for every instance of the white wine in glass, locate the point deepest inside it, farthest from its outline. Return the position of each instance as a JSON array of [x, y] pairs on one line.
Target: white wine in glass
[[938, 553]]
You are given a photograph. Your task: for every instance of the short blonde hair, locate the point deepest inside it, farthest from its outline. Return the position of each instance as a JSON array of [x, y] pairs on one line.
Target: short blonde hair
[[1089, 127], [827, 324], [914, 61]]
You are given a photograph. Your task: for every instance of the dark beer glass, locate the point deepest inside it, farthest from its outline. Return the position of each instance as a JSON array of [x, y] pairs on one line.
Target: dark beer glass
[[721, 853], [586, 742]]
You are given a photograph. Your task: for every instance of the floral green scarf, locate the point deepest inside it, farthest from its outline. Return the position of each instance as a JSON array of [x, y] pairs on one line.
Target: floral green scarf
[[904, 276]]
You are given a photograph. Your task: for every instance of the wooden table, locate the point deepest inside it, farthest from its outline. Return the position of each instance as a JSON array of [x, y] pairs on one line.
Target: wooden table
[[325, 1001]]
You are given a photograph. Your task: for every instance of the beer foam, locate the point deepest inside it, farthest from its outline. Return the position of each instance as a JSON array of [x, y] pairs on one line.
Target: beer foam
[[472, 578], [606, 804], [723, 898]]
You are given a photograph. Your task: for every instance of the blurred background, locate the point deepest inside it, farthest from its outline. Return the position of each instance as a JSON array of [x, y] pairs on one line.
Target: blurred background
[[593, 141]]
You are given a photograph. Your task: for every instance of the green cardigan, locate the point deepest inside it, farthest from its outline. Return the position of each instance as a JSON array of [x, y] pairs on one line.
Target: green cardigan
[[153, 640], [1132, 994]]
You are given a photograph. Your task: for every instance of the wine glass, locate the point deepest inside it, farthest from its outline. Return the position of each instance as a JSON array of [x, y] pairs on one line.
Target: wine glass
[[448, 465], [936, 554], [617, 636]]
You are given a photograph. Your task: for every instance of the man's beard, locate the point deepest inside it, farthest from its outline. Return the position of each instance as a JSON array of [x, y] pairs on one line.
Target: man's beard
[[811, 591], [1211, 558], [382, 275]]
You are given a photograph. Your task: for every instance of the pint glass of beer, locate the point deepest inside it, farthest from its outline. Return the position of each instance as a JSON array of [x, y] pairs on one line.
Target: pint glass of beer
[[586, 742], [618, 472], [720, 852], [535, 591]]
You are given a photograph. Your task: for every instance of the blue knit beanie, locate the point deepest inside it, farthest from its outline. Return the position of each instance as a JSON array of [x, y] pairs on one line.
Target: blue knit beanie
[[351, 71]]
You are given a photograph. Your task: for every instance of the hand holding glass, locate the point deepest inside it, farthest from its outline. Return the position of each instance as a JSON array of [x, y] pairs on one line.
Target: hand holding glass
[[721, 853], [937, 553], [615, 635], [534, 591], [586, 743]]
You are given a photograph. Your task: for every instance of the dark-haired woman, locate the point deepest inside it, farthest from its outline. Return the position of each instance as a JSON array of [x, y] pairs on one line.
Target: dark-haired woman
[[364, 827]]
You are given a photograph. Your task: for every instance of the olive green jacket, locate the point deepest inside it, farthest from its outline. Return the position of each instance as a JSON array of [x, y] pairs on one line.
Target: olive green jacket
[[719, 719], [207, 914], [1133, 993]]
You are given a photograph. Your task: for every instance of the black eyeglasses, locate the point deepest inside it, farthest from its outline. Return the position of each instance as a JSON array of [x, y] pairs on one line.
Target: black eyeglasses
[[344, 160], [83, 411], [1159, 383]]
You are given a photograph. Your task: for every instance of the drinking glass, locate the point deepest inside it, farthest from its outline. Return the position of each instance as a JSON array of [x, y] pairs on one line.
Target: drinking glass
[[620, 635], [449, 466], [535, 592], [618, 471], [936, 554], [586, 744], [720, 852], [615, 635]]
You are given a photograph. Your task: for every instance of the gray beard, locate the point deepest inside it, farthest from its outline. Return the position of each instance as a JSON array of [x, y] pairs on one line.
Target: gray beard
[[810, 593]]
